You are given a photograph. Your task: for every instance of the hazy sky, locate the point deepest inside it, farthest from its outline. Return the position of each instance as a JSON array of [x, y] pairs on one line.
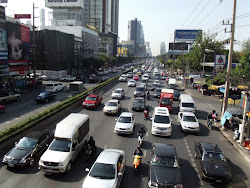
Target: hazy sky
[[160, 18]]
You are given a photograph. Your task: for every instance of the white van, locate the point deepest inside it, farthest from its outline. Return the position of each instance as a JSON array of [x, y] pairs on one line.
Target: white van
[[54, 87], [171, 81], [71, 135], [186, 103], [161, 122]]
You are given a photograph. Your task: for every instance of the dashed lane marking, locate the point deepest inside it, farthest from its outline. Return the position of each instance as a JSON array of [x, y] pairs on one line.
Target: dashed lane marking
[[194, 165], [192, 159], [105, 146], [7, 122], [145, 153], [190, 154]]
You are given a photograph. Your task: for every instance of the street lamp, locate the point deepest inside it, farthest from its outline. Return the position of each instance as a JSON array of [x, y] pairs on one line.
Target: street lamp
[[208, 51]]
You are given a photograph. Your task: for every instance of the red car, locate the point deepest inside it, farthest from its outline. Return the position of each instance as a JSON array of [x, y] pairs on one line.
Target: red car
[[92, 101], [2, 108], [136, 78]]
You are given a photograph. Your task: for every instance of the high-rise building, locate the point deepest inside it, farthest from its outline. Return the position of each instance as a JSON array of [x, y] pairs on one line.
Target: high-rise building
[[162, 48], [135, 33], [148, 49], [42, 19]]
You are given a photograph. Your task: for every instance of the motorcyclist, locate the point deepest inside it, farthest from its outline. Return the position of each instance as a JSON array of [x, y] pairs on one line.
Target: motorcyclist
[[214, 115], [141, 132], [209, 120], [146, 111], [138, 151], [148, 94], [236, 134], [91, 143]]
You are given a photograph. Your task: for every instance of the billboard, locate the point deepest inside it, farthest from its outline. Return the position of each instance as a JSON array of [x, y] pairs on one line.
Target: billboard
[[186, 35], [17, 16], [64, 3], [4, 70], [178, 46], [18, 38]]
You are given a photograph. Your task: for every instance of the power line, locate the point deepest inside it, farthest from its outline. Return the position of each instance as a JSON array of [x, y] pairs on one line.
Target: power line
[[210, 12], [191, 13], [243, 25], [199, 13]]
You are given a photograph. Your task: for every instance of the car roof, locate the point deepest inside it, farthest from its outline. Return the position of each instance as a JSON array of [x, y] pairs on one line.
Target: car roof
[[164, 149], [211, 147], [113, 100], [36, 134], [139, 98], [92, 95], [128, 114], [109, 156], [163, 111], [118, 89]]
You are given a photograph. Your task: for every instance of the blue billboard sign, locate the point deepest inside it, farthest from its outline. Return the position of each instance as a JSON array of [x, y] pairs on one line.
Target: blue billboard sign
[[186, 35]]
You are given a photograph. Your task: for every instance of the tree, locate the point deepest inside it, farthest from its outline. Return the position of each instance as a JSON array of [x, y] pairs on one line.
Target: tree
[[246, 46]]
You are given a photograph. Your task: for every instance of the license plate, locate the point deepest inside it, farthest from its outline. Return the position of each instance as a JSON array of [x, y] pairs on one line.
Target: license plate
[[137, 108], [10, 165]]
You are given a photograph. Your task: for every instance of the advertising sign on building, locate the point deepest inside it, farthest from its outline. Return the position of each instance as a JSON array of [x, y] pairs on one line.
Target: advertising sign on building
[[186, 35], [4, 70], [64, 3], [22, 16], [219, 64]]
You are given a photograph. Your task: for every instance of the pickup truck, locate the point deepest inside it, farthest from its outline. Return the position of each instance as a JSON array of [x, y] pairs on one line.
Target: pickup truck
[[92, 101], [10, 96], [67, 78]]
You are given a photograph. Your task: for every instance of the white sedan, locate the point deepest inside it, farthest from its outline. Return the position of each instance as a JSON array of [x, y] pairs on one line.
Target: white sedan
[[188, 122], [125, 123], [131, 83], [112, 107], [107, 171]]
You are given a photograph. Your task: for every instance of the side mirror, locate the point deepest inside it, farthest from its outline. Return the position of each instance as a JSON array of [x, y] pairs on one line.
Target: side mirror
[[15, 143], [87, 169], [151, 119], [116, 119], [119, 174]]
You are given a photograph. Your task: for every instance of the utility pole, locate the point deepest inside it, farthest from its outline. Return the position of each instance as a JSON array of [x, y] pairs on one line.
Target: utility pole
[[230, 60], [172, 67], [34, 44]]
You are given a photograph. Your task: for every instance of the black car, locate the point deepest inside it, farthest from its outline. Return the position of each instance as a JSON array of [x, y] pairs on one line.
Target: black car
[[165, 169], [176, 94], [27, 149], [104, 78], [139, 104], [157, 93], [155, 85], [213, 163], [93, 78], [80, 78], [45, 97]]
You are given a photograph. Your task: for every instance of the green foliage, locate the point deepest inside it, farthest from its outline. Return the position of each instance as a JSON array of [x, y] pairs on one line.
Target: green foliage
[[246, 46]]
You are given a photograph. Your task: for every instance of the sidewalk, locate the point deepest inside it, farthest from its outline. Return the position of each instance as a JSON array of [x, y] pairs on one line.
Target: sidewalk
[[245, 153]]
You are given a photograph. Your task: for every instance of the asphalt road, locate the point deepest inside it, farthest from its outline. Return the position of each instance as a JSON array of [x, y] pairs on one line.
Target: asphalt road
[[102, 126]]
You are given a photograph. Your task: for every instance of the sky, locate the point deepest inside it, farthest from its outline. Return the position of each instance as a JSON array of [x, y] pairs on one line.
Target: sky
[[160, 18]]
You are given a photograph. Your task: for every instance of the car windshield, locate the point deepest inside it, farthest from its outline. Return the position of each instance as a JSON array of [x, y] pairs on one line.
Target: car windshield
[[214, 156], [161, 119], [189, 118], [111, 104], [139, 100], [103, 171], [91, 98], [143, 81], [155, 85], [124, 120], [189, 105], [42, 95], [166, 101], [165, 161], [139, 89], [158, 90], [117, 91], [132, 81], [49, 85], [27, 143], [60, 145]]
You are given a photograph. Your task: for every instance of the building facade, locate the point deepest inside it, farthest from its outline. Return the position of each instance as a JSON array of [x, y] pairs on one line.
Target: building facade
[[162, 48]]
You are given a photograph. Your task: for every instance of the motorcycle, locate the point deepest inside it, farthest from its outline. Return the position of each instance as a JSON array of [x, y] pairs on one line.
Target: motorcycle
[[236, 135], [146, 114], [137, 162], [140, 140], [210, 123], [89, 152]]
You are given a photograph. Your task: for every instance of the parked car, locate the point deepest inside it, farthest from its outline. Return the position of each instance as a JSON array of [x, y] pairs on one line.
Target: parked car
[[8, 97], [125, 123], [45, 97], [188, 122], [2, 108], [213, 163], [53, 87], [93, 78], [112, 107], [104, 79], [107, 171], [27, 149], [118, 93], [164, 167], [136, 78], [139, 104], [131, 83]]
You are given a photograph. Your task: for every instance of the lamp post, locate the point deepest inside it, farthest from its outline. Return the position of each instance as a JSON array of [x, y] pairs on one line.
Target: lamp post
[[208, 51]]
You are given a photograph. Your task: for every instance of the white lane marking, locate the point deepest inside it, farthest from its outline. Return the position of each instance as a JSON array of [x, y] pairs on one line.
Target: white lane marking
[[17, 118], [145, 153], [105, 146], [200, 179], [186, 143], [7, 122], [187, 146], [210, 105], [188, 150], [190, 155], [194, 165], [192, 159], [147, 134]]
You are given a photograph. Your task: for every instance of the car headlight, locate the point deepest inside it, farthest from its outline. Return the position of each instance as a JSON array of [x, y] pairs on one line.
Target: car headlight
[[84, 103], [178, 186], [91, 104], [23, 160], [5, 158], [40, 161], [60, 164]]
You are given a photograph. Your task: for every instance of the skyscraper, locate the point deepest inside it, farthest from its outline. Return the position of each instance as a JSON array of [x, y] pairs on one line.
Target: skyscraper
[[162, 48]]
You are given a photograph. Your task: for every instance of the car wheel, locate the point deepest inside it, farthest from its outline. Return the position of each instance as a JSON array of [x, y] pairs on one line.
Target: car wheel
[[18, 98], [32, 162], [46, 100], [69, 166]]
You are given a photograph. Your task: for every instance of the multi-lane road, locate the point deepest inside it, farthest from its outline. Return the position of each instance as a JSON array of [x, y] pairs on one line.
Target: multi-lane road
[[102, 129]]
